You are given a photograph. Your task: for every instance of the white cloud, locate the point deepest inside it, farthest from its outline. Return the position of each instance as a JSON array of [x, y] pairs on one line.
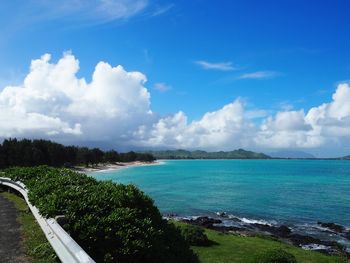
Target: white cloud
[[233, 126], [96, 11], [162, 87], [116, 9], [286, 106], [53, 101], [222, 66], [225, 128], [327, 125], [115, 109], [259, 75], [287, 129], [162, 9]]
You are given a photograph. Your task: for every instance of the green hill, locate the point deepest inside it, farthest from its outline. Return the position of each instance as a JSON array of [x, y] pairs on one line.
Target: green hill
[[184, 154]]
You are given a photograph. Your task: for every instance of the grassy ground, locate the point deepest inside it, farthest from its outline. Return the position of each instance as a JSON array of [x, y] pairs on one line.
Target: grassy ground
[[37, 248], [234, 248]]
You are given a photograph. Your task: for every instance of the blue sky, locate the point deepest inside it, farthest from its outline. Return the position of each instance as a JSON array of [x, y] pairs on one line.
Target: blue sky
[[197, 55]]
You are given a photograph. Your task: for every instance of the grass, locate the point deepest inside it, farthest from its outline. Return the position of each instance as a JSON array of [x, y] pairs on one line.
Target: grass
[[37, 248], [233, 248]]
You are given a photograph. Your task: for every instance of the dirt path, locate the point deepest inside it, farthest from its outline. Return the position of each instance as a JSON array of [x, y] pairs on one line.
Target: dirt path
[[10, 233]]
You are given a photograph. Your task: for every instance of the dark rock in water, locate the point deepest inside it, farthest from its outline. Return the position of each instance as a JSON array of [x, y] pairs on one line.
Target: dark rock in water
[[204, 221], [304, 240], [263, 227], [281, 231], [321, 249], [222, 214], [332, 226], [347, 235], [333, 247], [284, 231]]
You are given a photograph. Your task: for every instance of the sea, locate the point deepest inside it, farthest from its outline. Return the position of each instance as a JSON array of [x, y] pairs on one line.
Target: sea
[[296, 193]]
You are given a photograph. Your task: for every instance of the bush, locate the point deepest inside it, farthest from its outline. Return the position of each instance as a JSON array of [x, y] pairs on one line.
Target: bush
[[275, 256], [194, 235], [112, 222]]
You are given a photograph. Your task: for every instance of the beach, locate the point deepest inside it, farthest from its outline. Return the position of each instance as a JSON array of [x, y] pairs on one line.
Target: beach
[[102, 167]]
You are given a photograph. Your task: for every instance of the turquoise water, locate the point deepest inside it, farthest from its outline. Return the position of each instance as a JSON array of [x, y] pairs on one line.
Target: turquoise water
[[293, 192]]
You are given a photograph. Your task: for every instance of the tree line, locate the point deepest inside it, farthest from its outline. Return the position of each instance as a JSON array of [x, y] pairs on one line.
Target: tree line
[[26, 152]]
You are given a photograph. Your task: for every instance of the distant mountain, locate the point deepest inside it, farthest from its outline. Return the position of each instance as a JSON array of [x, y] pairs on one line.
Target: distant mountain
[[184, 154], [346, 157], [291, 154]]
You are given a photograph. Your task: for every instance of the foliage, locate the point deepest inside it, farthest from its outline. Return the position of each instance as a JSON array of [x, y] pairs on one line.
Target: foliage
[[194, 235], [25, 152], [275, 256], [183, 154], [112, 222]]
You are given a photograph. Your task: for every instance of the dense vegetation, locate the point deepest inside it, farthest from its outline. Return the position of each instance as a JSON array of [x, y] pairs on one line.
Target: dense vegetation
[[25, 152], [112, 222], [194, 235], [183, 154]]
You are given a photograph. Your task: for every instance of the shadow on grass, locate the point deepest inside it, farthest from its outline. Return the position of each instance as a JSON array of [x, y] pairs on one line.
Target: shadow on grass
[[208, 243]]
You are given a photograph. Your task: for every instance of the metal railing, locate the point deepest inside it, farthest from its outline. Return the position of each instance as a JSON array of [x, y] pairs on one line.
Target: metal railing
[[67, 250]]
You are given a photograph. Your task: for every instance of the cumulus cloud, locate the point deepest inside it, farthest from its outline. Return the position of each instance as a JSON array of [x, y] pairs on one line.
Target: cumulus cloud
[[114, 108], [225, 128], [52, 102], [222, 66], [233, 126], [327, 125]]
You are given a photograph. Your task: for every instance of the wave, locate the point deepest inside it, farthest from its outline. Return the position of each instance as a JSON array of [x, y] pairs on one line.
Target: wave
[[315, 247], [254, 221], [246, 220]]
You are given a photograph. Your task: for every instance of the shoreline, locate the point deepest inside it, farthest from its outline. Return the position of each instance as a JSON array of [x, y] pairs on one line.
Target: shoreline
[[104, 167], [328, 239]]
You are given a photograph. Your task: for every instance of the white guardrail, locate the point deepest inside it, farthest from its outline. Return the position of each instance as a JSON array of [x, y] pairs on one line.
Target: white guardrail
[[67, 250]]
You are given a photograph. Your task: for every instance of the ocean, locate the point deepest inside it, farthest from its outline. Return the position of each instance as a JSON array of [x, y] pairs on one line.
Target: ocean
[[296, 193]]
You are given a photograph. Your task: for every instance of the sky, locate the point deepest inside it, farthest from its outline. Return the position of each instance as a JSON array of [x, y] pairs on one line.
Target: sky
[[147, 74]]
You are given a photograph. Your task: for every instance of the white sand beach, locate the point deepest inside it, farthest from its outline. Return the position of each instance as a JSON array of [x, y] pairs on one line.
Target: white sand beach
[[113, 166]]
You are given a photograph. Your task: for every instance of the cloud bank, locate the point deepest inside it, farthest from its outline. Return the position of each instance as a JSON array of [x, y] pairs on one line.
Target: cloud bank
[[115, 109]]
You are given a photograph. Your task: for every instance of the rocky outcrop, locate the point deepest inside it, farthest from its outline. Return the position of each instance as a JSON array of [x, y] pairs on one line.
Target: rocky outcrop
[[332, 226], [282, 232], [204, 221], [336, 228]]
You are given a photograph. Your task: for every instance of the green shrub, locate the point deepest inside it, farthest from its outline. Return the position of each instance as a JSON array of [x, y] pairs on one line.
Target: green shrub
[[275, 256], [194, 235], [112, 222]]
